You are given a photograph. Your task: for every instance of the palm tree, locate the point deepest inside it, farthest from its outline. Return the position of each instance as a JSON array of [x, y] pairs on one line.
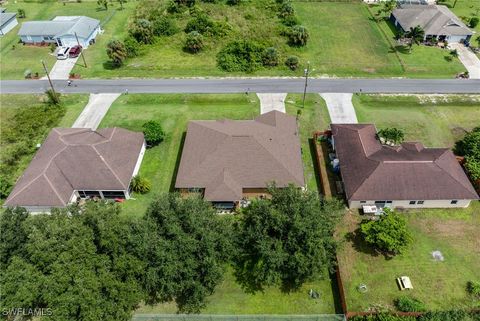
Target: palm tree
[[416, 36], [388, 7]]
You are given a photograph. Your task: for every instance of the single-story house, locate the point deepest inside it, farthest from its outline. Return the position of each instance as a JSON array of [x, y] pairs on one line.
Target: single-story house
[[405, 176], [438, 22], [230, 161], [61, 31], [79, 163], [8, 21]]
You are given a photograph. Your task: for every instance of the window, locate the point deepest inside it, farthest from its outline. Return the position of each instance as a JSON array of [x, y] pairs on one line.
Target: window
[[420, 202], [454, 202], [388, 202], [412, 202], [89, 194], [363, 202], [113, 194], [380, 202]]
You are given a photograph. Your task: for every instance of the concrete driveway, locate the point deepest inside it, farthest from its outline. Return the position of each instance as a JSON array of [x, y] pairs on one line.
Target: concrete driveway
[[468, 58], [340, 108], [269, 102], [96, 109], [62, 68]]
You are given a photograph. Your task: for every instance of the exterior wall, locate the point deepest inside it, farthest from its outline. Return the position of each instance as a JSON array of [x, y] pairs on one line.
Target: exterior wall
[[35, 40], [255, 192], [452, 39], [8, 26], [66, 40], [426, 204]]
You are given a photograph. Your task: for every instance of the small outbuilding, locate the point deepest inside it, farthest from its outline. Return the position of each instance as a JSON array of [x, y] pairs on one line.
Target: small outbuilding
[[438, 22], [8, 21], [61, 31]]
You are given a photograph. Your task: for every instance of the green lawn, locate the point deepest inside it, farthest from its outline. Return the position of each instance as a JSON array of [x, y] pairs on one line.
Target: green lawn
[[465, 10], [16, 58], [436, 121], [440, 285]]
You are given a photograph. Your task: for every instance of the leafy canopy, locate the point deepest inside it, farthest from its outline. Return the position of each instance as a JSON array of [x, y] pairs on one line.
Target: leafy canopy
[[285, 240]]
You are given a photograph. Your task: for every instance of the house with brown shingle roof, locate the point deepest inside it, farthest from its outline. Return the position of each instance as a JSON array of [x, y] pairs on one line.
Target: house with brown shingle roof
[[231, 160], [79, 163], [407, 176]]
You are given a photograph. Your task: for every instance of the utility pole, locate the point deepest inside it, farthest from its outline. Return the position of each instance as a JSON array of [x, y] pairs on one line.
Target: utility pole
[[81, 50], [306, 71], [48, 76]]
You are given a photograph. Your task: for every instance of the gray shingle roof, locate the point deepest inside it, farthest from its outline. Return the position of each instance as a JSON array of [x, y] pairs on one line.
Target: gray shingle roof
[[60, 26], [372, 171], [6, 17], [434, 19], [77, 159], [225, 156]]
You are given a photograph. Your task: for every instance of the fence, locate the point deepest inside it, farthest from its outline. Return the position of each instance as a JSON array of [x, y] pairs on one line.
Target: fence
[[259, 317]]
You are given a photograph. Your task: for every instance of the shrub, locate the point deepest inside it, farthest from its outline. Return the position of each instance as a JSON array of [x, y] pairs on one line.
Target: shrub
[[286, 10], [132, 47], [194, 42], [187, 3], [473, 287], [298, 36], [409, 304], [140, 185], [393, 134], [474, 22], [234, 2], [389, 234], [201, 24], [270, 57], [142, 31], [153, 132], [116, 51], [242, 55], [52, 47], [290, 21], [53, 98], [21, 13], [292, 62], [164, 26]]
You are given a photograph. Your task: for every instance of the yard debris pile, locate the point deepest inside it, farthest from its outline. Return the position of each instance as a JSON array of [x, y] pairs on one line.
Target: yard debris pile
[[437, 256]]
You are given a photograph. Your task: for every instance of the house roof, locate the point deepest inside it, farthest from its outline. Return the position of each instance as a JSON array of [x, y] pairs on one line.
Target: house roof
[[225, 156], [60, 26], [5, 17], [372, 171], [434, 19], [77, 159]]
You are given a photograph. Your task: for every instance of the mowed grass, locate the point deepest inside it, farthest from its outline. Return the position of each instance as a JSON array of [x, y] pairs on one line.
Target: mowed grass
[[230, 299], [173, 112], [434, 120], [440, 285], [15, 58]]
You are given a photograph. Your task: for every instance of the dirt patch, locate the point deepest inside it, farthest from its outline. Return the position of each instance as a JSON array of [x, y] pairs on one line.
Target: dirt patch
[[458, 132], [369, 70]]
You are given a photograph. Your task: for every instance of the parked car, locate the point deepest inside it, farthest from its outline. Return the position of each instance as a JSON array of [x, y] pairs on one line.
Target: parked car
[[75, 51], [62, 53]]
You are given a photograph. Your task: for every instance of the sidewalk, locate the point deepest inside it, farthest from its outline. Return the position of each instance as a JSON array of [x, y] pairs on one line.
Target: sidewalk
[[340, 108], [96, 109]]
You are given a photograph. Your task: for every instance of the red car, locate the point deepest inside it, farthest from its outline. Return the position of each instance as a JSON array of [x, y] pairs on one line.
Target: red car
[[75, 51]]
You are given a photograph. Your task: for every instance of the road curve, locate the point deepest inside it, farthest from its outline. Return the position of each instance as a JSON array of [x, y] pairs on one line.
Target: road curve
[[257, 85]]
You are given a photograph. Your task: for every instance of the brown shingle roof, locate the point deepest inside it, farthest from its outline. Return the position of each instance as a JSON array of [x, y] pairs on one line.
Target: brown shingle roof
[[225, 156], [372, 171], [77, 159]]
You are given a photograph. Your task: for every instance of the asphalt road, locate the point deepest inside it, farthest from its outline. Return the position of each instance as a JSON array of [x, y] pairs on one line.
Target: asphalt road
[[256, 85]]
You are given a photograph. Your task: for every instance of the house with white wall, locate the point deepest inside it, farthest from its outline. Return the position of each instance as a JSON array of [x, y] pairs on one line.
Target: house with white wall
[[62, 31], [79, 163], [8, 21], [405, 176]]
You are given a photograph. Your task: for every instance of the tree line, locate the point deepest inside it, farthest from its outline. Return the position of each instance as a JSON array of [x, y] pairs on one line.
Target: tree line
[[90, 262]]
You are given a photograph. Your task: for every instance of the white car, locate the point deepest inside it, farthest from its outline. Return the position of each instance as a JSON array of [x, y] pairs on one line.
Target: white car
[[62, 53]]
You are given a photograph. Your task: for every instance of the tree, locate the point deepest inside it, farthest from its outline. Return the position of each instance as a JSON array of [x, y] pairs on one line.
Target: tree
[[164, 26], [103, 3], [121, 2], [194, 42], [80, 262], [285, 240], [298, 36], [132, 47], [187, 249], [292, 62], [21, 13], [116, 51], [270, 57], [389, 234], [389, 6], [153, 132], [142, 31], [474, 22], [140, 185], [415, 35], [469, 145], [13, 235], [393, 134]]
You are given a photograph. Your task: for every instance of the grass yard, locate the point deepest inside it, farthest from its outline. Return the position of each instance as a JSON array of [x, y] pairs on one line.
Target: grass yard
[[440, 285], [16, 58], [229, 298], [465, 10], [434, 120]]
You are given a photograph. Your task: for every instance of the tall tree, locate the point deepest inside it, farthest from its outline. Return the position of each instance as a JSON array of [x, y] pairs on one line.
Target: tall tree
[[415, 35], [116, 51], [389, 6], [186, 252], [285, 240], [13, 234]]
